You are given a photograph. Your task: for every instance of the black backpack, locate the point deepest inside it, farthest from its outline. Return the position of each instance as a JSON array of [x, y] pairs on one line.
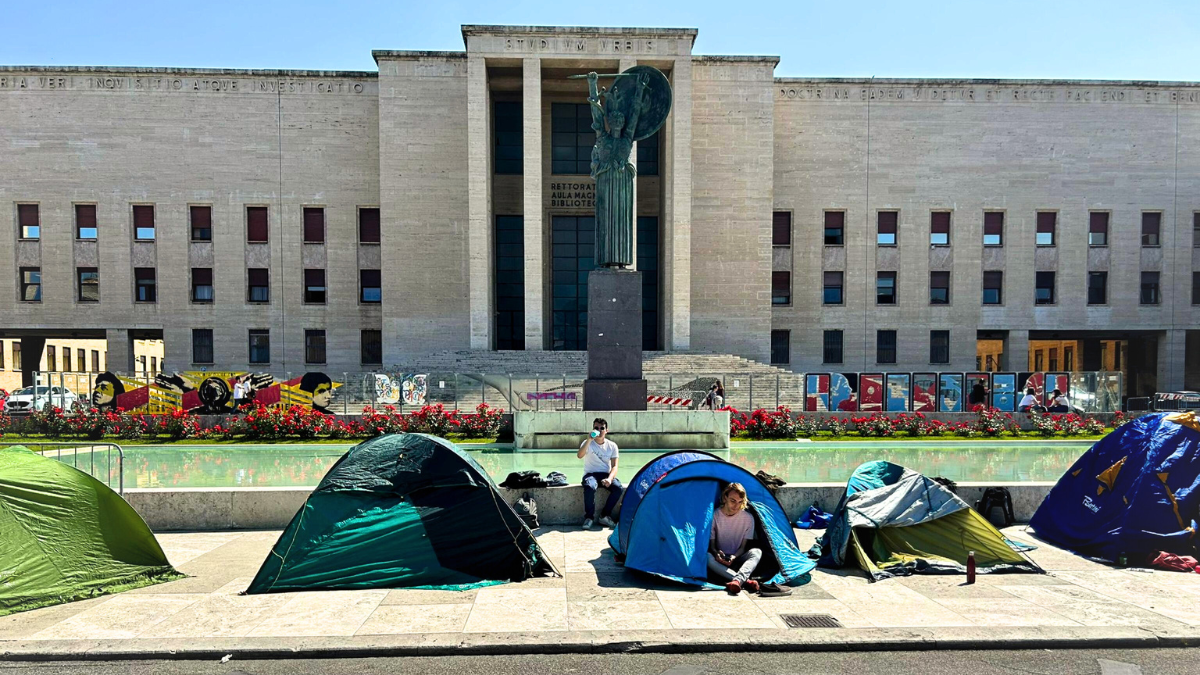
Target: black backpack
[[527, 510], [996, 498], [524, 479]]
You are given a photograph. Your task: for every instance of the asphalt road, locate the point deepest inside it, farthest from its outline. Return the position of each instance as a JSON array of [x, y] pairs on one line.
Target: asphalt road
[[1039, 662]]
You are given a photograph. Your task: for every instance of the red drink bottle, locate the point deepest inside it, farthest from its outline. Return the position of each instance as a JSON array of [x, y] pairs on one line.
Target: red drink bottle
[[971, 567]]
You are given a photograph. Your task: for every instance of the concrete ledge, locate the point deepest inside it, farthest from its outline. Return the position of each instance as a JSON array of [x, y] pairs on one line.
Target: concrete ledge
[[650, 429], [273, 508]]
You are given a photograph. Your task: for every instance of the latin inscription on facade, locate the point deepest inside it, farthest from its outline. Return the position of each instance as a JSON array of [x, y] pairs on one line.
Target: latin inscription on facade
[[155, 83], [573, 195], [1056, 94], [582, 45]]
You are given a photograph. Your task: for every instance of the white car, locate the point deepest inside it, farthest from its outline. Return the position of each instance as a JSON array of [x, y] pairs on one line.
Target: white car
[[30, 399]]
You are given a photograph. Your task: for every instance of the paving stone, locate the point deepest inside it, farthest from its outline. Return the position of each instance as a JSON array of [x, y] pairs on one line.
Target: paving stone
[[516, 609], [397, 619], [218, 615], [121, 616], [774, 607], [420, 596], [1004, 612], [320, 613], [617, 615]]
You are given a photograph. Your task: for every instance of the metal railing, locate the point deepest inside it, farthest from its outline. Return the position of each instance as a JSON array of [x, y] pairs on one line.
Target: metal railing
[[72, 452], [354, 392]]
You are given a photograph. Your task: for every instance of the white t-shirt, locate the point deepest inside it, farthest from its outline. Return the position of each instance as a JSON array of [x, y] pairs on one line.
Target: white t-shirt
[[599, 457], [239, 390], [1063, 401], [731, 532], [1030, 400]]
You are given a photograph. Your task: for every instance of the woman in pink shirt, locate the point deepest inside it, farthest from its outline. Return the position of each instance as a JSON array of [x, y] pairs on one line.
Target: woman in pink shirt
[[732, 529]]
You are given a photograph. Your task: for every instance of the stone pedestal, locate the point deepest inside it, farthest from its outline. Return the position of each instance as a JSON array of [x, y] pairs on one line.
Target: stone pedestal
[[614, 341]]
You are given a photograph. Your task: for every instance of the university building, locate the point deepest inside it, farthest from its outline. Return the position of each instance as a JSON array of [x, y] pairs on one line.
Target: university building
[[292, 220]]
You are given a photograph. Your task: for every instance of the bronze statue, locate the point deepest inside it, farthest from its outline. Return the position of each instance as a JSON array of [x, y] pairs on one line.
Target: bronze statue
[[633, 109]]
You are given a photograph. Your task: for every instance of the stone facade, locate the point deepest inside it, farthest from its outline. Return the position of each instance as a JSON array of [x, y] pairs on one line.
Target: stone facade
[[417, 140]]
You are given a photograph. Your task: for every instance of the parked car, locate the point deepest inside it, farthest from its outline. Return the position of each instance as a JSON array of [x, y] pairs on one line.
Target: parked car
[[31, 399]]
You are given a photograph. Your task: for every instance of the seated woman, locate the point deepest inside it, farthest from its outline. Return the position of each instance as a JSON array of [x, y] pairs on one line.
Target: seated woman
[[1029, 402], [1059, 403], [732, 528]]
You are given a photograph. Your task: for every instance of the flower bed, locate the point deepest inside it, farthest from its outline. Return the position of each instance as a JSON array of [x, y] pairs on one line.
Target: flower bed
[[988, 423], [259, 424]]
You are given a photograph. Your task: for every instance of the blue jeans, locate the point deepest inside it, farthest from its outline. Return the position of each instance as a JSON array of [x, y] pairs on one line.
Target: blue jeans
[[591, 482]]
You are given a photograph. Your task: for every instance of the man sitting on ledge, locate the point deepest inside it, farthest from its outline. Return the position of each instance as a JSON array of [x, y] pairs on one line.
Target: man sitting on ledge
[[599, 457]]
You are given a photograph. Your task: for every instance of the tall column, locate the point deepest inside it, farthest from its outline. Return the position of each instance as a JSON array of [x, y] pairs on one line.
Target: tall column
[[1016, 351], [624, 65], [1172, 359], [678, 194], [535, 247], [32, 349], [120, 350], [479, 203]]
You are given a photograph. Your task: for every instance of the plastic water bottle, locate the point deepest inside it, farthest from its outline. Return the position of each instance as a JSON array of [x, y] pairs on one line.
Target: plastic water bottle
[[595, 434], [971, 567]]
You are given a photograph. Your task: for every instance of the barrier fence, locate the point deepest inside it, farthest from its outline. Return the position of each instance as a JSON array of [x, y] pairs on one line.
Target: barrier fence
[[350, 393]]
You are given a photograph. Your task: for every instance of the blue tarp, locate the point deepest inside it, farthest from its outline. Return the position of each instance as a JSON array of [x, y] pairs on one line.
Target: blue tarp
[[1132, 494], [666, 519]]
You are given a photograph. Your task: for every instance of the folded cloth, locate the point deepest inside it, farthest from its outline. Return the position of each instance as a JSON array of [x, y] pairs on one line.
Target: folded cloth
[[524, 479], [771, 482], [556, 479], [1179, 563], [813, 519]]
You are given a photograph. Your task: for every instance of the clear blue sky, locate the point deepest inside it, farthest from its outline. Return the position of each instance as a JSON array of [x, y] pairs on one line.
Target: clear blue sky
[[1098, 39]]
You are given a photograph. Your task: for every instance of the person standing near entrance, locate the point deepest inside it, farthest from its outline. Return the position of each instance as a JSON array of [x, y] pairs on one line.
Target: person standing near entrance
[[599, 456]]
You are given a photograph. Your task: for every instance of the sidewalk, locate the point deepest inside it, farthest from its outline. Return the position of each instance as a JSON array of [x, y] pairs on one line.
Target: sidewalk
[[600, 607]]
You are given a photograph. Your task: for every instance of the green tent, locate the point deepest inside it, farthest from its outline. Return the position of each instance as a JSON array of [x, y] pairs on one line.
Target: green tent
[[402, 510], [893, 521], [65, 536]]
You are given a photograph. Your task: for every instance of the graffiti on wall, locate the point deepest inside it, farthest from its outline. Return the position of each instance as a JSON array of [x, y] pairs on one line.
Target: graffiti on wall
[[409, 388], [210, 393]]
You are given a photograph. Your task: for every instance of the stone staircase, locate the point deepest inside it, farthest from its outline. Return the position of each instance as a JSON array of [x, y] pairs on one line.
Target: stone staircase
[[551, 363]]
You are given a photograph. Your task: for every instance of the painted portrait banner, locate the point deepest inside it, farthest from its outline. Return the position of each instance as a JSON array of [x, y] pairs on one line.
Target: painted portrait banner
[[950, 392], [898, 392], [870, 392], [841, 392], [210, 392], [816, 392], [924, 392], [1004, 391]]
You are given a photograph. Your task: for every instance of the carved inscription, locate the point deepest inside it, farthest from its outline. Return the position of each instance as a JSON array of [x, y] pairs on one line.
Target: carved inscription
[[811, 92], [154, 83], [601, 45]]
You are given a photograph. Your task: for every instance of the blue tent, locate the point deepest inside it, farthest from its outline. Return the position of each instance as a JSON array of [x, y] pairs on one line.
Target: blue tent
[[1132, 494], [666, 520]]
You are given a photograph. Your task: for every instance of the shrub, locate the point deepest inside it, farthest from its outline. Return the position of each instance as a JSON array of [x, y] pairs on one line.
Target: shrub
[[837, 426], [1093, 426], [877, 425], [806, 427], [1118, 419], [180, 424], [92, 423], [1043, 424], [51, 422], [993, 422], [5, 424], [771, 424], [483, 423]]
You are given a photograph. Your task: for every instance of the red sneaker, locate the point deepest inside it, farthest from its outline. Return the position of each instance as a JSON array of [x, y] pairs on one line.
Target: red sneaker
[[733, 588], [751, 586]]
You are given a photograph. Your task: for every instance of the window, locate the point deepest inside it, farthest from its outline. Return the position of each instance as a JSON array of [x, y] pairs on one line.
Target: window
[[256, 224], [260, 346], [508, 126], [510, 280], [939, 288], [885, 288], [66, 359], [51, 359], [939, 228], [1097, 288], [1039, 361], [368, 226], [1196, 288], [572, 245], [258, 284], [314, 287], [201, 223], [832, 347], [153, 364], [835, 228], [314, 346], [885, 346], [28, 222], [647, 156], [16, 346], [647, 263], [85, 221], [939, 346], [145, 285], [143, 222], [781, 347], [781, 228], [31, 284], [314, 225], [833, 288], [887, 222], [371, 347], [993, 288], [1068, 359], [81, 361], [1044, 288], [1, 355], [370, 290], [1054, 358], [781, 288], [202, 346], [1196, 230], [1150, 295], [95, 360], [571, 138], [1151, 227], [1046, 224], [202, 284], [89, 284], [1098, 228], [993, 228]]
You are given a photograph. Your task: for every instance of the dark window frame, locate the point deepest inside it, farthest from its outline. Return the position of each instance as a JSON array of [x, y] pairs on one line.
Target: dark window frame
[[937, 228], [832, 217], [80, 285], [1099, 223], [508, 140], [1196, 288], [315, 347], [839, 287], [367, 225], [251, 286], [581, 139], [316, 291], [251, 334], [81, 360], [95, 360], [200, 222], [145, 285], [313, 224], [647, 155], [1039, 285], [936, 278], [880, 297], [86, 222], [781, 346], [29, 228], [23, 286], [781, 288], [996, 227], [51, 358], [1150, 291], [197, 283], [1046, 222], [1097, 289], [199, 346], [886, 346], [363, 286], [939, 347], [887, 228], [833, 342], [997, 275], [149, 216], [377, 343], [1152, 236], [253, 227], [781, 223]]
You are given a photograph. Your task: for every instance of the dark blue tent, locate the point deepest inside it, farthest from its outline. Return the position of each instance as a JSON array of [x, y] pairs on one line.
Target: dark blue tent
[[666, 520], [1132, 494]]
